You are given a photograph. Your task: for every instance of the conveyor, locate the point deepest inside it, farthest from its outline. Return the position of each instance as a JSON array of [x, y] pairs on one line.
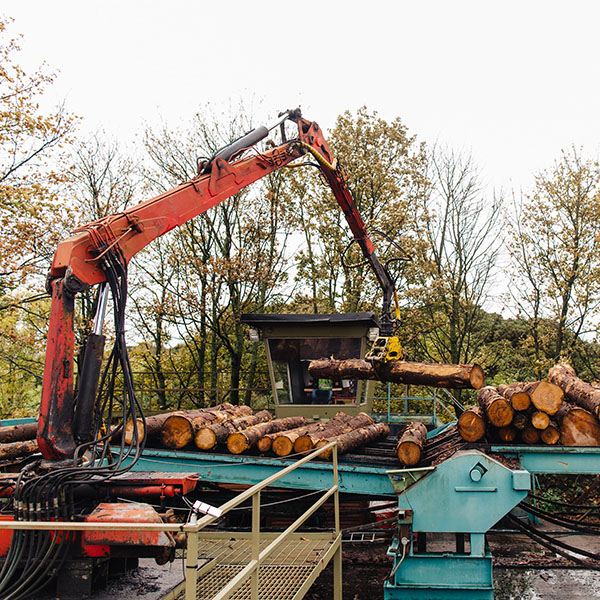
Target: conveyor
[[464, 495]]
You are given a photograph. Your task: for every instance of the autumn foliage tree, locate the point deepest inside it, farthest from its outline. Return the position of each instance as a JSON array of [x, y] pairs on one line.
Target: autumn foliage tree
[[555, 250], [29, 217]]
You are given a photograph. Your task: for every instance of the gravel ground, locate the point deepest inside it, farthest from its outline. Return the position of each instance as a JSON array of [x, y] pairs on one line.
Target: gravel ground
[[522, 571]]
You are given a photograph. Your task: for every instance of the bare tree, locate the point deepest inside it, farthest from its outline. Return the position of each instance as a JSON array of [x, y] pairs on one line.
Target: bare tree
[[461, 227]]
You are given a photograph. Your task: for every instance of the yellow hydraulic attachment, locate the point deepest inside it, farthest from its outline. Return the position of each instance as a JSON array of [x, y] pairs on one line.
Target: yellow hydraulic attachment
[[386, 348]]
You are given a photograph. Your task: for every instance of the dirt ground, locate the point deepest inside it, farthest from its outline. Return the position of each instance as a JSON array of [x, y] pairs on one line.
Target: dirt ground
[[522, 571]]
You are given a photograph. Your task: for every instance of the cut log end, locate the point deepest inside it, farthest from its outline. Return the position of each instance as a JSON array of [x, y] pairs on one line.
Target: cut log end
[[579, 428], [530, 435], [520, 401], [547, 397], [176, 432], [282, 446], [550, 435], [264, 444], [477, 377], [409, 453], [303, 444], [471, 424], [540, 420], [237, 443], [508, 433], [205, 439]]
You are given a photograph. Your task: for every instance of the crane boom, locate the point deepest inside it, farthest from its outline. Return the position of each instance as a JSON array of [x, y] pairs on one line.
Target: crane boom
[[79, 260]]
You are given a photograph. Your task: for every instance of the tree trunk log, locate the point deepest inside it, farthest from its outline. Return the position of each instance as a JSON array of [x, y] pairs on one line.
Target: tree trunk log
[[283, 443], [579, 427], [577, 391], [412, 373], [514, 393], [179, 429], [154, 423], [540, 420], [508, 434], [209, 436], [18, 433], [521, 420], [471, 424], [551, 435], [16, 450], [530, 435], [545, 396], [307, 442], [241, 441], [410, 445], [355, 439], [496, 407]]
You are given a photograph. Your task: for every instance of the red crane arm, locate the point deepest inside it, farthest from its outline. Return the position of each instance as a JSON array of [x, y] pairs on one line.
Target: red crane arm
[[76, 262]]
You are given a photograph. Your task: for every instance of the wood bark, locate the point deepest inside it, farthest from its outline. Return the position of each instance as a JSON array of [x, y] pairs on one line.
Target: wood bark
[[579, 427], [16, 450], [410, 445], [530, 435], [211, 435], [283, 443], [551, 435], [355, 439], [514, 393], [521, 420], [508, 434], [539, 419], [576, 390], [545, 396], [18, 433], [471, 424], [330, 428], [412, 373], [496, 407], [241, 441], [154, 423], [179, 429]]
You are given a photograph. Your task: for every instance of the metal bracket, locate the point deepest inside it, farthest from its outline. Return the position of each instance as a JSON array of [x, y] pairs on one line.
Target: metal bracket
[[402, 479]]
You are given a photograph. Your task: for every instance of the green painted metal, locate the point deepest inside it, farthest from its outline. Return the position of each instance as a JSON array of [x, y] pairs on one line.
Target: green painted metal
[[466, 493], [442, 577], [401, 479], [249, 470], [21, 421], [566, 460]]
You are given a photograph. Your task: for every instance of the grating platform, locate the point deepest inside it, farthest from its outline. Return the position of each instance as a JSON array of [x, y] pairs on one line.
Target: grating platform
[[287, 574]]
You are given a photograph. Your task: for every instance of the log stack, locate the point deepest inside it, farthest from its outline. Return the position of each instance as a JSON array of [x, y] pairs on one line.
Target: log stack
[[563, 410]]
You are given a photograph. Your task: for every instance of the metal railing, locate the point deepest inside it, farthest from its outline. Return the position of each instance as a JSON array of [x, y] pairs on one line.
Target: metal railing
[[404, 400], [192, 530]]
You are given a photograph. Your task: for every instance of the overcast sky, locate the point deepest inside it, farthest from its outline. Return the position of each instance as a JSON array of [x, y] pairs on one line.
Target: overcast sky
[[511, 82]]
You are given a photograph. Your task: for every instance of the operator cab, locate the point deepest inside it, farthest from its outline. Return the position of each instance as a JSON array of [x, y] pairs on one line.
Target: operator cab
[[292, 341]]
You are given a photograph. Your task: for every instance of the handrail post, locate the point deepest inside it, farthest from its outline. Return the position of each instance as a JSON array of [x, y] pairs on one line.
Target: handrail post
[[191, 566], [255, 542], [337, 558]]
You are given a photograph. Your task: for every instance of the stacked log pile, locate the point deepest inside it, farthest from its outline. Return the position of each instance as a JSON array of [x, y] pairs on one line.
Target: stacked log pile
[[18, 441], [237, 429], [563, 410]]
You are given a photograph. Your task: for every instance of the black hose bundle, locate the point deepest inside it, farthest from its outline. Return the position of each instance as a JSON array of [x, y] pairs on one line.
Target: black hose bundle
[[35, 557]]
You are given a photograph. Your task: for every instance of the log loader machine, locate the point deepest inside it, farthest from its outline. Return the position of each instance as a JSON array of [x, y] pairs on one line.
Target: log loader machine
[[79, 474]]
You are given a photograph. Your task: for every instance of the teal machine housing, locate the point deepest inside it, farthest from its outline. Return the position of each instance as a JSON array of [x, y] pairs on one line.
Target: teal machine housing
[[465, 495]]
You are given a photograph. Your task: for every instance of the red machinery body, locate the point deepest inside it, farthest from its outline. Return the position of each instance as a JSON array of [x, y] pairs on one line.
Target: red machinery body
[[76, 261]]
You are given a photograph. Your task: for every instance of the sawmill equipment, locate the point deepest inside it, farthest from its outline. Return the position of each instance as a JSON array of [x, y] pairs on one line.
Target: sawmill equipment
[[444, 510], [75, 428]]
